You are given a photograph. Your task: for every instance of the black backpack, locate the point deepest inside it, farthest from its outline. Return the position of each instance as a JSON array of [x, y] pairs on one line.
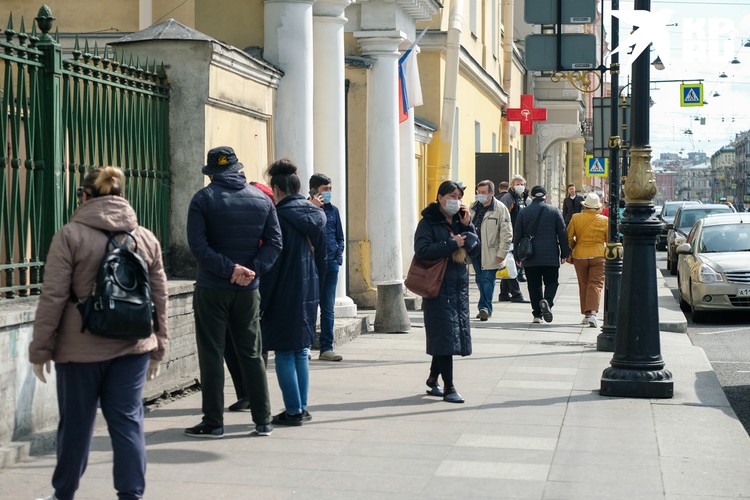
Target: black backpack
[[120, 305]]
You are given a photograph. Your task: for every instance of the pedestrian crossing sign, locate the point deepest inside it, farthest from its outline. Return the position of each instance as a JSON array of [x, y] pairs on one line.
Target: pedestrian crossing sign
[[691, 94], [597, 167]]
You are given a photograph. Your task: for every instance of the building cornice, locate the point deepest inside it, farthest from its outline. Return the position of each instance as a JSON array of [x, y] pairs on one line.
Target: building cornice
[[241, 63]]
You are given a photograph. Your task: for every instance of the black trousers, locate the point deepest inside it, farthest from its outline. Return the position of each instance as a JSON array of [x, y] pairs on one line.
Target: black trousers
[[537, 275], [510, 288], [218, 311]]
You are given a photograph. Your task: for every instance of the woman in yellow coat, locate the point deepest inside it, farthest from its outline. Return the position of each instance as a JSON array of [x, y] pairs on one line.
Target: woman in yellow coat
[[587, 236]]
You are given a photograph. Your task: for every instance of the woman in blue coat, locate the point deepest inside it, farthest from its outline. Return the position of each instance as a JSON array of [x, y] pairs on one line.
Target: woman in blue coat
[[446, 232], [290, 292]]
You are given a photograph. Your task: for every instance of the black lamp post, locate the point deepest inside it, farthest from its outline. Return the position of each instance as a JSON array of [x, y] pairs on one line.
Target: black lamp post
[[637, 368], [605, 341]]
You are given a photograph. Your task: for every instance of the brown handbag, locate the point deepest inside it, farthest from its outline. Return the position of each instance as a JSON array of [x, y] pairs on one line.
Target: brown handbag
[[425, 277]]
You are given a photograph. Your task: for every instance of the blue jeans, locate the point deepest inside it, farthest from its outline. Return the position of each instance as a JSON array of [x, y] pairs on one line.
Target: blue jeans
[[293, 373], [116, 385], [327, 302], [485, 280]]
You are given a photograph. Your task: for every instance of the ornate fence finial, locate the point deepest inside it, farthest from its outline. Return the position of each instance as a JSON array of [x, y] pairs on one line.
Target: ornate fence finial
[[44, 19]]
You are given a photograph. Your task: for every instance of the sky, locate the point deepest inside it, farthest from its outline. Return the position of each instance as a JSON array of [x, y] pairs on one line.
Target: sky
[[706, 38]]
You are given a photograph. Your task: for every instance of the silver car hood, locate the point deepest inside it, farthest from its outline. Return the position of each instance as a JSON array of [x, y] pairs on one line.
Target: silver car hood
[[727, 261]]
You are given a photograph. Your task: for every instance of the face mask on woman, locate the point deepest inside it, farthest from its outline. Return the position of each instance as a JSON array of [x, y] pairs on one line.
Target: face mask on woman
[[452, 206], [519, 189]]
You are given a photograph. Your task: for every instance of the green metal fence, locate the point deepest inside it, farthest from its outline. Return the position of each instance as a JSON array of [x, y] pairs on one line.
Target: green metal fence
[[60, 118]]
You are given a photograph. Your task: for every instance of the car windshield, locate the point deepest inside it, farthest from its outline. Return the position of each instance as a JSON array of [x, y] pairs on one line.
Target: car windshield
[[725, 238], [688, 217], [670, 209]]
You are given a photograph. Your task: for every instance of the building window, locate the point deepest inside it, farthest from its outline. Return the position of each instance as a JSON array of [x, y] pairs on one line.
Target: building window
[[477, 137]]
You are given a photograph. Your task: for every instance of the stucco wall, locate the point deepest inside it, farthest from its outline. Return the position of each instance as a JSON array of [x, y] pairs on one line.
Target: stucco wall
[[29, 407]]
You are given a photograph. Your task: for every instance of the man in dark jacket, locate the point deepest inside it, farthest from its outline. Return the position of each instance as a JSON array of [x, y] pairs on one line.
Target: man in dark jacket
[[226, 222], [551, 248], [572, 204], [510, 290], [320, 196]]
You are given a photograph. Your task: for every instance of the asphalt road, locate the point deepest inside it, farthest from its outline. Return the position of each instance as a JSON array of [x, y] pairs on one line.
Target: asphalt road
[[725, 337]]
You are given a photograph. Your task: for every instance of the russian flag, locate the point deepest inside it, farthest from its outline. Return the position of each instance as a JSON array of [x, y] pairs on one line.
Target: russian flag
[[409, 86]]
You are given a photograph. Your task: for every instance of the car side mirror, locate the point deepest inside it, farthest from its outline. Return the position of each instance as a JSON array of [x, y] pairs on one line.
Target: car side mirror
[[684, 249], [670, 225]]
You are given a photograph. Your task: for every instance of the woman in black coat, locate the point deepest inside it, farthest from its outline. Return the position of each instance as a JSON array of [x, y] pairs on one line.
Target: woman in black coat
[[446, 232], [290, 292]]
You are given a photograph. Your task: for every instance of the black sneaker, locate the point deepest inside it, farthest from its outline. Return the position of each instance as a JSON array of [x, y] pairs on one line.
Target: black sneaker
[[546, 310], [285, 418], [241, 405], [263, 429], [306, 417], [204, 431], [518, 299], [504, 298]]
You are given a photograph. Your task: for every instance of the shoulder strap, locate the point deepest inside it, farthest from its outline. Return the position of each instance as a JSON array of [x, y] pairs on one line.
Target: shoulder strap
[[536, 222]]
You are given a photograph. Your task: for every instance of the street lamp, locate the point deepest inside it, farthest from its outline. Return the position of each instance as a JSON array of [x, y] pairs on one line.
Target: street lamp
[[637, 368]]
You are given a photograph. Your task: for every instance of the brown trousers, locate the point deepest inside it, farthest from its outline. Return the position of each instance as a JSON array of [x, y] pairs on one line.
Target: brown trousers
[[590, 274]]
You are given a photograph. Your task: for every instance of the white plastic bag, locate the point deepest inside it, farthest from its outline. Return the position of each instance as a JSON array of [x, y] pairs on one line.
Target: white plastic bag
[[510, 271]]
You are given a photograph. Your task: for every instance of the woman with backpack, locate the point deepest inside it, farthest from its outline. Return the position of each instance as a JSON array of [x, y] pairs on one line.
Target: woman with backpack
[[94, 370], [290, 292]]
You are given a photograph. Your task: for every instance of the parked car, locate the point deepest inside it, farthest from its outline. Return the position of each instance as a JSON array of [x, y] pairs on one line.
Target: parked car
[[668, 211], [686, 216], [713, 267]]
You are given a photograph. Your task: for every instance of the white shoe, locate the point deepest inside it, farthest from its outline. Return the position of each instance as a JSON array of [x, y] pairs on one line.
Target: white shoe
[[538, 320], [592, 321], [585, 320], [51, 497]]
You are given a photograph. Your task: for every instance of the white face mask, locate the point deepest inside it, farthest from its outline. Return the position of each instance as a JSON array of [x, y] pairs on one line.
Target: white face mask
[[452, 206], [519, 189], [482, 198]]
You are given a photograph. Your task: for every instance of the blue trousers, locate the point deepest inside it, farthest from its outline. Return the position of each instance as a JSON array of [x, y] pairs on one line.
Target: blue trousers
[[117, 385], [293, 372], [485, 280], [327, 303]]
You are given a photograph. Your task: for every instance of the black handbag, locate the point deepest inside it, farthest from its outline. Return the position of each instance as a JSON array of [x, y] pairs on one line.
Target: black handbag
[[524, 250]]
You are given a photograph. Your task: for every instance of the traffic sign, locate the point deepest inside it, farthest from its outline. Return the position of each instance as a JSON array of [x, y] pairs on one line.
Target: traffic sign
[[578, 51], [691, 94], [597, 167], [572, 11]]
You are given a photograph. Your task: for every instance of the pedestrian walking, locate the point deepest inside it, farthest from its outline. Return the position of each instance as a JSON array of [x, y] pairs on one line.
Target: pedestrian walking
[[94, 370], [446, 232], [493, 225], [587, 237], [227, 220], [572, 204], [514, 200], [291, 292], [321, 193], [545, 223]]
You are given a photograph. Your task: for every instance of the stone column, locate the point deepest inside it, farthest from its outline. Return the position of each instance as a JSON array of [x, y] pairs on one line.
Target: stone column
[[328, 118], [288, 44], [383, 158], [409, 219]]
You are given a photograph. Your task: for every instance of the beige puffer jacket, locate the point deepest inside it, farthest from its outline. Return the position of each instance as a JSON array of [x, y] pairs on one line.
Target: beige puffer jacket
[[73, 261]]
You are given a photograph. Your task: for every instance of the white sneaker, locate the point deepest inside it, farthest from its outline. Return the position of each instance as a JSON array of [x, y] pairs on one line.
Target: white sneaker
[[538, 320], [51, 497], [585, 320], [592, 321]]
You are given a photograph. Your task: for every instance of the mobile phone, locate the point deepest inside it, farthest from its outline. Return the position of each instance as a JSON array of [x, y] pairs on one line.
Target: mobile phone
[[313, 193]]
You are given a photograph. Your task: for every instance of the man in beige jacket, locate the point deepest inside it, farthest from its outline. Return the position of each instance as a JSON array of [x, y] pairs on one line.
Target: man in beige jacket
[[492, 221]]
